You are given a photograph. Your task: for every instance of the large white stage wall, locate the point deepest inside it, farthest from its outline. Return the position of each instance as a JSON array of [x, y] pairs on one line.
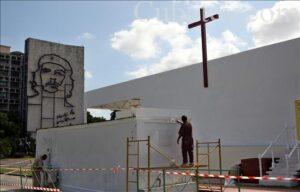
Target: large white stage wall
[[103, 145], [249, 99]]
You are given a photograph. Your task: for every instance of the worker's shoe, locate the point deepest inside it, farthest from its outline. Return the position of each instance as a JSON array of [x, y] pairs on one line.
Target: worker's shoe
[[191, 165], [183, 165]]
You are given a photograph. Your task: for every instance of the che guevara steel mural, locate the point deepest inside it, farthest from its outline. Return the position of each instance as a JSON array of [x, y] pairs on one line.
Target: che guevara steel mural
[[53, 82]]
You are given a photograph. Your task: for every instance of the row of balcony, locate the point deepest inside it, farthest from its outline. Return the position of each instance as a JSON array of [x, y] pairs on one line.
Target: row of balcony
[[13, 107], [7, 57], [7, 68], [11, 101], [11, 90], [12, 95], [12, 79], [4, 84]]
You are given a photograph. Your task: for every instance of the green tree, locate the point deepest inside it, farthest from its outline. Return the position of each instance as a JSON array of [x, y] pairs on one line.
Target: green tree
[[92, 119], [9, 135]]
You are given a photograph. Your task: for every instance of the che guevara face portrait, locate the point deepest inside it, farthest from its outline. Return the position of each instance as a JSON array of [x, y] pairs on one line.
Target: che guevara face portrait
[[52, 76]]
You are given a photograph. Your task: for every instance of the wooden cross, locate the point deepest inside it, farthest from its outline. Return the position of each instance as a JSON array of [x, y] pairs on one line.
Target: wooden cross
[[202, 23]]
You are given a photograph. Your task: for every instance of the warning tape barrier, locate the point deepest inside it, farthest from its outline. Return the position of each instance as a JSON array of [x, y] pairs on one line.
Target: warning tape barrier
[[78, 169], [113, 169], [182, 173], [30, 187], [204, 175]]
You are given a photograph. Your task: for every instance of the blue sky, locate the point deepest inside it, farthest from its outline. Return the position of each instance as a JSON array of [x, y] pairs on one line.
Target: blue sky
[[124, 40]]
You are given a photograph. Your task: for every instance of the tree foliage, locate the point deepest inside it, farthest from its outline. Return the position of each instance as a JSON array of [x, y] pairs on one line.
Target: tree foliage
[[92, 119], [9, 135]]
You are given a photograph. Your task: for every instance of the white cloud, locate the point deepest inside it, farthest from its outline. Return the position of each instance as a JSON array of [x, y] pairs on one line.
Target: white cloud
[[86, 36], [100, 113], [88, 74], [190, 53], [145, 36], [278, 23], [216, 47], [229, 6], [206, 4], [235, 6]]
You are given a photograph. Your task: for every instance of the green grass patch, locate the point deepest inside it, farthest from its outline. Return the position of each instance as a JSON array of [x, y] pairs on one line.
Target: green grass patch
[[4, 170], [16, 171]]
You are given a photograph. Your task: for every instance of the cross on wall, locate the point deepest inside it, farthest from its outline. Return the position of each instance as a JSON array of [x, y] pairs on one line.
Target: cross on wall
[[202, 22]]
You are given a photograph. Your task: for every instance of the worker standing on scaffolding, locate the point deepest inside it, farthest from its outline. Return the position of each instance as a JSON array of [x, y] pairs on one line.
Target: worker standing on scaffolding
[[37, 170], [187, 142]]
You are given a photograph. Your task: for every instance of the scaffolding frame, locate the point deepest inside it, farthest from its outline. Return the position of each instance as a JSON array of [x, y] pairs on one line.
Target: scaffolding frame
[[137, 168], [207, 155]]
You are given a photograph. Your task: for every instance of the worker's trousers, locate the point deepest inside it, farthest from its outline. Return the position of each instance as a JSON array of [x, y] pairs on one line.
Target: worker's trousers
[[36, 178], [187, 151]]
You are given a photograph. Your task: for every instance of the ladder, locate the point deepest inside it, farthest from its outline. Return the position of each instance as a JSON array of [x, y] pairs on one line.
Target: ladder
[[136, 168], [206, 155]]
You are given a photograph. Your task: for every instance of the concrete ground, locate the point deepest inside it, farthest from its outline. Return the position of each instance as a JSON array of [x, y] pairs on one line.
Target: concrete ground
[[14, 162], [259, 189], [28, 181], [13, 179]]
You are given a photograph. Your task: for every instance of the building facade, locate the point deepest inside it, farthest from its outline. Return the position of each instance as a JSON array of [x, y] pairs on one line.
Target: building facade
[[13, 84], [49, 98], [55, 84], [250, 96]]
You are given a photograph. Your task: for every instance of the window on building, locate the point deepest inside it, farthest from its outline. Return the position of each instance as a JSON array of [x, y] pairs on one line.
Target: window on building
[[14, 107], [3, 72], [14, 95], [3, 107], [15, 73], [3, 83], [4, 60], [14, 84], [15, 62], [3, 95]]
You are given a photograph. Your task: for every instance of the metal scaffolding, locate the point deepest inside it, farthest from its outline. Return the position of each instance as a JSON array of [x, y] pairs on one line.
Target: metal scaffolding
[[160, 179], [208, 184]]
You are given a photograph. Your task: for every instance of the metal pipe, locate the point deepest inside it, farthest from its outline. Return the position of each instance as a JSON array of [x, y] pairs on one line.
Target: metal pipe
[[197, 167], [208, 158], [260, 165], [208, 162], [287, 162], [127, 166], [164, 180], [298, 154], [275, 140], [273, 161], [201, 143], [149, 180], [287, 139], [138, 166], [21, 182], [293, 150], [220, 163]]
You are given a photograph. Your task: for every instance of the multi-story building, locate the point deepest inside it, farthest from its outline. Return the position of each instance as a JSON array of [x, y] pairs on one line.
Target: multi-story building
[[13, 84]]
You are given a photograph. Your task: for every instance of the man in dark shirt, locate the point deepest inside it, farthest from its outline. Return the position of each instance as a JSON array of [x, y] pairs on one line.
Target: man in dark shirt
[[187, 141]]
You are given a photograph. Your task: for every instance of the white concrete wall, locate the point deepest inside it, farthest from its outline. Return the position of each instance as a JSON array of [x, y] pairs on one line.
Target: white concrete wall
[[249, 99], [103, 145], [96, 145]]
